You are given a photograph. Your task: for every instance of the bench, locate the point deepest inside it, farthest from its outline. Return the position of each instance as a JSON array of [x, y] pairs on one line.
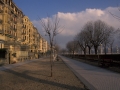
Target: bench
[[105, 62]]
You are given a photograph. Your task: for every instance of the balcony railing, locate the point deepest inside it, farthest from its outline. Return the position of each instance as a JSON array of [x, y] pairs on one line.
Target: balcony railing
[[12, 11], [9, 35], [12, 42], [9, 42]]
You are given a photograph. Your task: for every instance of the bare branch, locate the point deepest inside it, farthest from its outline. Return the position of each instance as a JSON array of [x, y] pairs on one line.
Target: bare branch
[[51, 27]]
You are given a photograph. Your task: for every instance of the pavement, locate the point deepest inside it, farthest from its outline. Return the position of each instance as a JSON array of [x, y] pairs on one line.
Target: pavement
[[17, 64], [36, 75], [95, 78]]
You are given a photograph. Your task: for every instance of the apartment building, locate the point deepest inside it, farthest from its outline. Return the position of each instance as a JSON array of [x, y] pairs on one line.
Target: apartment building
[[44, 46], [18, 35], [10, 25]]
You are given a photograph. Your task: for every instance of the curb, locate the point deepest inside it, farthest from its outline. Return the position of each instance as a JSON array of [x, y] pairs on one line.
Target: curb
[[88, 86]]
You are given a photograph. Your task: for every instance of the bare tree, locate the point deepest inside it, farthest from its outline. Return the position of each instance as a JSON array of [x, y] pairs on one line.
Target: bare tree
[[108, 38], [82, 41], [116, 16], [72, 46], [88, 27], [93, 34], [98, 33], [52, 28], [111, 45]]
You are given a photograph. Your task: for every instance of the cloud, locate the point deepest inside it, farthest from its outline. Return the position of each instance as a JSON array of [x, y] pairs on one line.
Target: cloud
[[73, 22]]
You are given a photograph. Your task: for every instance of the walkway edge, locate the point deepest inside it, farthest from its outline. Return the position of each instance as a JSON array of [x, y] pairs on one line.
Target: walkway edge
[[87, 84], [9, 66]]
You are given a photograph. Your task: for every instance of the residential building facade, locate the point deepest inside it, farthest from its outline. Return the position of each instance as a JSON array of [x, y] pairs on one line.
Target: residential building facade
[[18, 35]]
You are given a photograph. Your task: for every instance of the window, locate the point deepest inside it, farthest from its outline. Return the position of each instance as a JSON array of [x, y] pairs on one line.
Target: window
[[25, 37]]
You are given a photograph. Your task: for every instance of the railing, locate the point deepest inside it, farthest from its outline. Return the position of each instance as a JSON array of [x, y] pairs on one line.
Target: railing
[[9, 35], [9, 42]]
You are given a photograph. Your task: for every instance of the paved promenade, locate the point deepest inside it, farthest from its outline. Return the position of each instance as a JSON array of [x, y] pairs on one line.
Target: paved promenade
[[35, 75], [94, 78], [9, 66]]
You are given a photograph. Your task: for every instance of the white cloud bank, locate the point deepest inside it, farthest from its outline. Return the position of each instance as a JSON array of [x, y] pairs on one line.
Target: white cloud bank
[[73, 22]]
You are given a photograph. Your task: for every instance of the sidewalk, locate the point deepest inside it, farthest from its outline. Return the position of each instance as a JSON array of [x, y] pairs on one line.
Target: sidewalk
[[9, 66], [94, 78], [35, 75]]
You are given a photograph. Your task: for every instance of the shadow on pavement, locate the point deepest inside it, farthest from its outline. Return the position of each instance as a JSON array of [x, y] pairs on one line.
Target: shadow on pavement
[[23, 75]]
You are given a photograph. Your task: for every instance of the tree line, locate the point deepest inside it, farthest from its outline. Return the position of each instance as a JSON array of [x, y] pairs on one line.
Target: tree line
[[92, 35]]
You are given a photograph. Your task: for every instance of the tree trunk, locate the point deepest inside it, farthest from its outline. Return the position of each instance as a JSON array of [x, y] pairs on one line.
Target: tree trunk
[[111, 49], [84, 51], [95, 47], [51, 70], [73, 55], [105, 49], [89, 50], [51, 63]]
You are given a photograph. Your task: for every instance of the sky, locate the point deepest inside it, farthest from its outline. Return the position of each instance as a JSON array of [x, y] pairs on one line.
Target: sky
[[73, 14]]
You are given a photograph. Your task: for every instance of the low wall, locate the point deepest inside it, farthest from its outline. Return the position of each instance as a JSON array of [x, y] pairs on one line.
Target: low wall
[[109, 56]]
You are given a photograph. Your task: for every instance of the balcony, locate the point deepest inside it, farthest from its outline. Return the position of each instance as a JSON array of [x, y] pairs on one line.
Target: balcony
[[12, 42], [24, 47], [9, 42], [9, 35], [12, 11]]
